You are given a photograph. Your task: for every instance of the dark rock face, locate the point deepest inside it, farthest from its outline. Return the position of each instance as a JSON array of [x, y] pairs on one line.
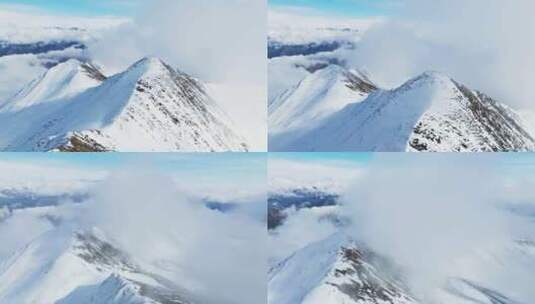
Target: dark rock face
[[493, 127], [97, 252], [82, 143], [93, 72], [359, 83], [106, 256], [366, 282], [497, 121], [161, 295], [186, 92]]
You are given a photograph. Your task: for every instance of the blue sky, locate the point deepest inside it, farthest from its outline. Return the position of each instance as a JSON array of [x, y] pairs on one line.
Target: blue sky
[[357, 8], [349, 157], [81, 7], [128, 7], [224, 166], [516, 163]]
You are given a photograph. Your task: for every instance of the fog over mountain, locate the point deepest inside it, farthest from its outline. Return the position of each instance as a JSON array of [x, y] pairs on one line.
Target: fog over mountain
[[334, 81], [191, 38], [404, 230], [151, 238]]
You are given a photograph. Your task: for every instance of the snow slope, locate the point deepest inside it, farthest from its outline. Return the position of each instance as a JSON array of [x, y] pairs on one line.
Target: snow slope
[[339, 270], [318, 95], [32, 40], [428, 113], [333, 270], [61, 81], [148, 107], [66, 267]]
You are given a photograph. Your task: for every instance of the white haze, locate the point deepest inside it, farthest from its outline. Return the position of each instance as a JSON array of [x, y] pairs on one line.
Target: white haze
[[218, 256], [301, 228], [215, 40], [487, 44], [432, 213]]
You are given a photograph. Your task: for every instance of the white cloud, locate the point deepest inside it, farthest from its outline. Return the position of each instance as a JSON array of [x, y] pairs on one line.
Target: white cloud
[[485, 44], [438, 216], [223, 43], [286, 174], [301, 228], [214, 40], [204, 250]]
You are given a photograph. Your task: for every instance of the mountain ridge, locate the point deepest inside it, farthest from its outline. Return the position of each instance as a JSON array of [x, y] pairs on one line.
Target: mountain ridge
[[148, 107], [80, 267], [430, 112]]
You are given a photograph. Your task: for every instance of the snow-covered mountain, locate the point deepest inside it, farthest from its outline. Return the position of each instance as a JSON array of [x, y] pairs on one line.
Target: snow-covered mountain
[[148, 107], [61, 81], [336, 270], [317, 96], [80, 267], [431, 112], [33, 41], [340, 270], [328, 244]]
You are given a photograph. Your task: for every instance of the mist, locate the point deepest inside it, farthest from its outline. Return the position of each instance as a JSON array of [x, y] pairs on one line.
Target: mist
[[203, 250], [301, 228], [486, 44], [215, 40], [440, 217]]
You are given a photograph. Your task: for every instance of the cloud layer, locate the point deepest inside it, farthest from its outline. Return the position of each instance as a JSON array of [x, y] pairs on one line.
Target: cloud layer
[[215, 40], [488, 44], [439, 217], [203, 249]]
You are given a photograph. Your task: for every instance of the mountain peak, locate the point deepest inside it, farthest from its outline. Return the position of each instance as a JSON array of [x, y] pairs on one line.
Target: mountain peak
[[150, 61], [317, 96], [148, 68], [431, 112], [75, 66], [343, 272], [150, 65], [430, 78], [149, 107], [433, 74], [61, 81]]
